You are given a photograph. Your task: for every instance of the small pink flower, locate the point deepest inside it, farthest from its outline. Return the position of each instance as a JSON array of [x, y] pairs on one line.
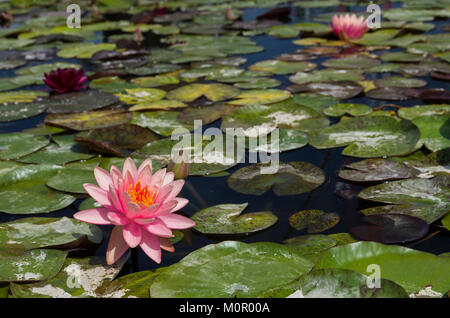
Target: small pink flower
[[141, 207], [348, 27], [65, 80]]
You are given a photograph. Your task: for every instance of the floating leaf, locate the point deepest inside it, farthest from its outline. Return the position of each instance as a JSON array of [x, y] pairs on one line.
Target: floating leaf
[[338, 110], [32, 233], [288, 139], [427, 199], [78, 278], [434, 130], [141, 95], [79, 101], [157, 105], [281, 67], [413, 112], [85, 50], [372, 170], [17, 145], [390, 228], [20, 96], [226, 219], [336, 283], [411, 269], [401, 57], [116, 141], [310, 244], [397, 81], [266, 96], [214, 92], [368, 137], [29, 266], [161, 122], [314, 220], [289, 179], [90, 120], [351, 62], [327, 75], [230, 269], [13, 111]]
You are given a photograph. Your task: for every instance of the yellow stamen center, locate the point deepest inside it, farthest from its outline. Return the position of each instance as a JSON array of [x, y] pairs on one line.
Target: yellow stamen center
[[141, 195]]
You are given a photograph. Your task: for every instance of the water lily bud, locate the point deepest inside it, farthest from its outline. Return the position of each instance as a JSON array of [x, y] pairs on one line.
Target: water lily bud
[[230, 14], [180, 165]]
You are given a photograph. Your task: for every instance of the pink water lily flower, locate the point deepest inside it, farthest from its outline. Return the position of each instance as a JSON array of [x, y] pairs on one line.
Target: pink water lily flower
[[348, 27], [140, 205], [65, 80]]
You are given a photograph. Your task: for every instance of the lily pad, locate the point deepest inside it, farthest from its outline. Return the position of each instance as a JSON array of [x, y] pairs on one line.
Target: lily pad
[[434, 130], [390, 228], [230, 269], [24, 191], [116, 141], [163, 123], [78, 278], [13, 111], [17, 145], [290, 178], [29, 266], [141, 95], [84, 50], [79, 101], [89, 120], [372, 170], [368, 137], [397, 81], [206, 114], [314, 220], [352, 62], [401, 57], [266, 96], [310, 244], [213, 92], [283, 140], [413, 112], [423, 269], [338, 110], [226, 219], [336, 283], [32, 233], [281, 67], [327, 75]]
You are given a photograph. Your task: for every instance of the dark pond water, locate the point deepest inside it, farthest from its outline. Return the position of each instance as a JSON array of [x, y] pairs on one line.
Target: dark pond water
[[206, 191]]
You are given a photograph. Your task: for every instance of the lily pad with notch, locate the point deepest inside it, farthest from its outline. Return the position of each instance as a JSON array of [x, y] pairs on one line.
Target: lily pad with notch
[[314, 220]]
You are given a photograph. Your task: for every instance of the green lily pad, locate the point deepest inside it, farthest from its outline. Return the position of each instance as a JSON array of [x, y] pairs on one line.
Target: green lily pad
[[327, 75], [156, 81], [207, 114], [259, 83], [446, 221], [427, 199], [338, 110], [116, 141], [226, 219], [310, 244], [13, 111], [29, 266], [85, 50], [352, 62], [78, 278], [20, 96], [314, 220], [368, 137], [135, 285], [17, 145], [255, 96], [336, 283], [162, 104], [112, 84], [64, 150], [40, 69], [377, 37], [73, 175], [434, 130], [279, 141], [317, 102], [79, 101], [372, 170], [89, 120], [423, 269], [414, 112], [153, 69], [32, 233], [24, 191], [213, 92], [230, 269], [281, 67], [397, 81], [401, 57], [290, 178], [141, 95], [11, 64], [163, 123]]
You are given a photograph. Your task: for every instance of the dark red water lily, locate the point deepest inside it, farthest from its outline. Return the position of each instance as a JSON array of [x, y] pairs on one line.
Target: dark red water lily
[[65, 80]]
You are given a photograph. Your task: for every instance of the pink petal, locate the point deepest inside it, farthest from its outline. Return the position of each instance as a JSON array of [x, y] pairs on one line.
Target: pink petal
[[157, 179], [116, 246], [114, 198], [103, 178], [176, 221], [158, 228], [163, 193], [145, 176], [93, 216], [132, 234], [181, 203], [176, 188], [150, 245], [132, 209], [130, 166], [165, 208], [168, 178], [166, 245], [117, 218], [98, 194], [146, 163]]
